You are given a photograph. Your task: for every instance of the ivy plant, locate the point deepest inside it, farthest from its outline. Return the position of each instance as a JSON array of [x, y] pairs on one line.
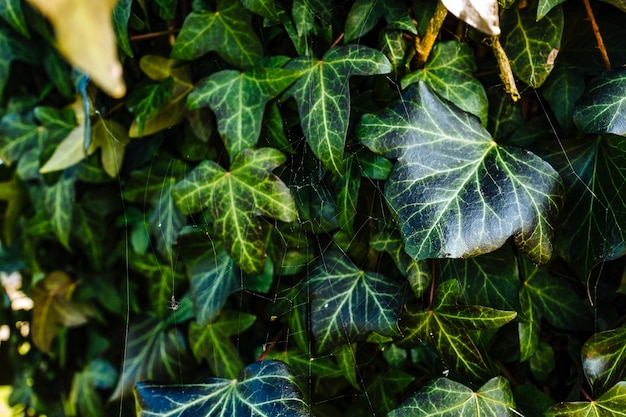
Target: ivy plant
[[313, 208]]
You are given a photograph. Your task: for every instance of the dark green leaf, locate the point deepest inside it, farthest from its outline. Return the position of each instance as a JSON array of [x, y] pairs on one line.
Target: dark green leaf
[[323, 97], [531, 46], [121, 15], [17, 136], [531, 401], [11, 12], [602, 109], [59, 202], [610, 404], [373, 166], [348, 303], [265, 8], [562, 90], [238, 100], [604, 359], [529, 324], [544, 7], [234, 199], [227, 31], [347, 196], [146, 100], [364, 15], [446, 398], [504, 116], [620, 4], [167, 219], [262, 389], [83, 394], [456, 192], [12, 48], [542, 362], [449, 73]]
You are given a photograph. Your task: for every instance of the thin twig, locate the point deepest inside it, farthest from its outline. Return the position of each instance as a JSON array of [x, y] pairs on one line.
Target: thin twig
[[506, 74], [152, 35], [424, 46], [337, 41], [596, 33]]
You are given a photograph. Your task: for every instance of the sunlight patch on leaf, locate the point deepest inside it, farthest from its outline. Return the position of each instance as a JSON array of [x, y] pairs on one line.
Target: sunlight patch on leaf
[[604, 359], [610, 404]]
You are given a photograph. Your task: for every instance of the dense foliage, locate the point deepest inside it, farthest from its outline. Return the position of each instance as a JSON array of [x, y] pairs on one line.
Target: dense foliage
[[310, 207]]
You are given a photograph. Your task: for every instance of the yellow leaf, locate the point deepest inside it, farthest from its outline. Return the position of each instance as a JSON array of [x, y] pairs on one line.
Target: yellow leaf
[[112, 138], [84, 33]]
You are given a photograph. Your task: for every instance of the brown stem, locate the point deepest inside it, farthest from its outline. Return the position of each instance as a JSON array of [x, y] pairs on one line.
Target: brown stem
[[337, 41], [424, 46], [506, 74], [596, 33], [152, 35]]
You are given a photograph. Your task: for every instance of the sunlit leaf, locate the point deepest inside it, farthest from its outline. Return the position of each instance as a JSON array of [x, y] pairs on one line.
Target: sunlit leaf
[[532, 46], [234, 198], [610, 404], [211, 342], [262, 389], [53, 309], [238, 100], [227, 31], [481, 14], [323, 97], [602, 109], [446, 326], [594, 173], [455, 192], [84, 32], [604, 359], [449, 72], [348, 303], [446, 398]]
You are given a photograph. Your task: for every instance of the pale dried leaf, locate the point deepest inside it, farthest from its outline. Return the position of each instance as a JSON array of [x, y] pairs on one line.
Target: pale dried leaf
[[480, 14]]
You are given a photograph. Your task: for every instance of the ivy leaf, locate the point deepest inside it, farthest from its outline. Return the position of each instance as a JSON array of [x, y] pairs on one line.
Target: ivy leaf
[[545, 6], [562, 90], [620, 4], [456, 192], [443, 397], [59, 204], [347, 196], [84, 32], [14, 194], [602, 109], [112, 138], [323, 98], [227, 31], [529, 325], [13, 47], [168, 218], [238, 100], [610, 404], [348, 303], [11, 12], [532, 46], [211, 342], [53, 309], [18, 135], [449, 73], [446, 325], [262, 389], [365, 14], [234, 199], [121, 15], [480, 14], [84, 395], [264, 8], [153, 351], [147, 99], [594, 173], [604, 359], [71, 150]]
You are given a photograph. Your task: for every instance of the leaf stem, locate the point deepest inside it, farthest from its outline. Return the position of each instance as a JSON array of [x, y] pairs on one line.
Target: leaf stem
[[596, 33], [424, 46], [153, 35], [506, 74]]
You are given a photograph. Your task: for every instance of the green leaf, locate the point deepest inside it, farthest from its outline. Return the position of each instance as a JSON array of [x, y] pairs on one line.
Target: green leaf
[[610, 404], [446, 326], [59, 204], [455, 192], [449, 73], [562, 90], [11, 12], [347, 196], [323, 97], [234, 199], [531, 46], [121, 15], [14, 194], [154, 351], [505, 117], [145, 100], [84, 395], [345, 356], [112, 138], [529, 325], [365, 14], [372, 165], [71, 150], [13, 47], [211, 342], [544, 7], [262, 389], [604, 359], [265, 8], [168, 220], [620, 4], [18, 134], [542, 363], [348, 303], [594, 172], [227, 31], [238, 100], [531, 401], [446, 398], [602, 109]]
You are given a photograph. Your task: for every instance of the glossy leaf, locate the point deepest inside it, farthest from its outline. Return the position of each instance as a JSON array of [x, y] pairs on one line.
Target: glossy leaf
[[323, 97], [445, 325], [446, 398], [480, 14], [449, 72], [348, 303], [544, 6], [602, 109], [212, 343], [53, 309], [234, 199], [562, 90], [455, 192], [11, 12], [604, 359], [594, 171], [531, 46], [238, 100], [262, 389], [610, 404], [227, 31]]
